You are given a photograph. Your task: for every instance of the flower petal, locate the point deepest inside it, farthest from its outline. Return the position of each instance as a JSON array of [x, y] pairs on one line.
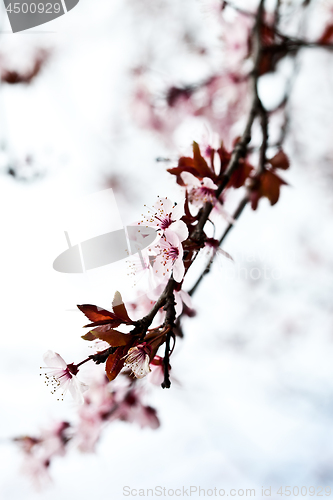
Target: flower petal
[[164, 204], [178, 211], [207, 182], [190, 180], [186, 298], [178, 270], [179, 227], [54, 360], [76, 388]]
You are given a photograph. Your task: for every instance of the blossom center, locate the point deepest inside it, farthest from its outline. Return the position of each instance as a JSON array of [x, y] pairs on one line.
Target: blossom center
[[171, 253], [202, 193], [165, 221], [137, 359]]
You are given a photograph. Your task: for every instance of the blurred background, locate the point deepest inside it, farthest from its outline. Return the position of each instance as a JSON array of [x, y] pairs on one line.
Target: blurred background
[[93, 105]]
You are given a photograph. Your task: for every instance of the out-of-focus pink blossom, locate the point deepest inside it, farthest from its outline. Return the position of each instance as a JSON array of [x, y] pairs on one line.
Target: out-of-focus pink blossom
[[39, 452], [131, 409], [142, 305], [98, 405], [236, 35], [212, 248]]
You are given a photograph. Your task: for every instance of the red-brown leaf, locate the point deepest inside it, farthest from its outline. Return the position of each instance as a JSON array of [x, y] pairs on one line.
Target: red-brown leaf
[[224, 158], [88, 336], [119, 308], [280, 160], [267, 34], [188, 218], [239, 176], [327, 36], [112, 337], [268, 185], [95, 313], [185, 164], [196, 166], [200, 163], [99, 316], [254, 198], [115, 362]]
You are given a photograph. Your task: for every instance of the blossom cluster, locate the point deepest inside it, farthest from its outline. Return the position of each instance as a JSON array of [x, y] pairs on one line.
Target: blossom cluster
[[101, 404], [135, 354]]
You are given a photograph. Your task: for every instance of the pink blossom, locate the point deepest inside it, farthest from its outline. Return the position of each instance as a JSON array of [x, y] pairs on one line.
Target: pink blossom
[[63, 376], [141, 268], [39, 452], [145, 301], [201, 192], [99, 403], [142, 305], [37, 468], [137, 359], [236, 34], [165, 216], [170, 258], [131, 409], [99, 345], [156, 376], [180, 298], [212, 248]]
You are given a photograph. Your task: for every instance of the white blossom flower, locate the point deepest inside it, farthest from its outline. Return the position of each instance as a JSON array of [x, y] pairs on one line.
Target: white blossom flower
[[137, 359], [165, 216], [63, 376], [201, 192], [170, 258]]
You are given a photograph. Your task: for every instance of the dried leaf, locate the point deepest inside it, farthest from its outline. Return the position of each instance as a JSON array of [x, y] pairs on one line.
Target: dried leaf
[[239, 176], [115, 362], [119, 308], [112, 337], [88, 336], [327, 36], [224, 158], [99, 316], [268, 185], [280, 160], [196, 166], [200, 163]]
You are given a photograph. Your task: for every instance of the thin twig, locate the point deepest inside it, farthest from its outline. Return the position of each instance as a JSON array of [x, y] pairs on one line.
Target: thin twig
[[226, 3], [257, 109], [236, 214]]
